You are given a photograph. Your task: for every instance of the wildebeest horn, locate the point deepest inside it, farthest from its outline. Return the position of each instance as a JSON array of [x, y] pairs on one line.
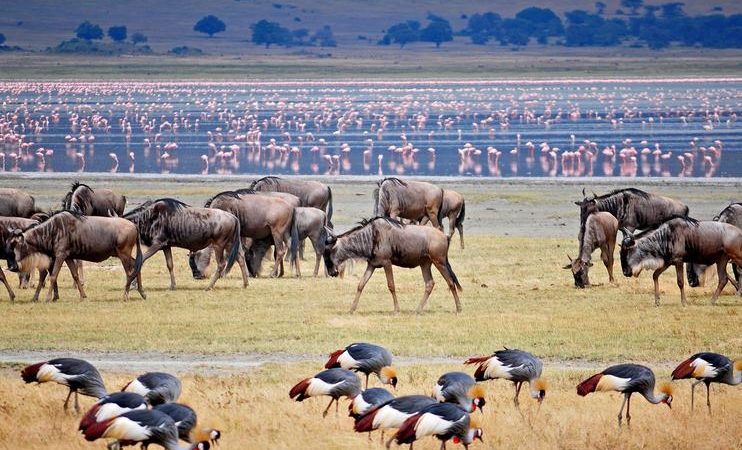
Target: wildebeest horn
[[569, 257], [594, 195], [628, 237], [583, 193], [331, 239]]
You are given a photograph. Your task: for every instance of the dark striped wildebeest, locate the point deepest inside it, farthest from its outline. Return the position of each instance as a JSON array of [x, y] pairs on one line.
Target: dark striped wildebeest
[[679, 240], [17, 203], [7, 225], [633, 208], [310, 193], [167, 223], [383, 242], [99, 202], [88, 202], [409, 200], [600, 232], [731, 214], [454, 207], [67, 236], [260, 216]]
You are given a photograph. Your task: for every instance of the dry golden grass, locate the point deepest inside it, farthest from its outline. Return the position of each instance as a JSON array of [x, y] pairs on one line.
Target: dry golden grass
[[254, 411]]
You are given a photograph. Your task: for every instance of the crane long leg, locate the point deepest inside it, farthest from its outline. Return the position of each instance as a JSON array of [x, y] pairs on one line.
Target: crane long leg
[[693, 393], [708, 396], [620, 412], [324, 413], [67, 401], [628, 411], [518, 385], [366, 381], [77, 404], [389, 442]]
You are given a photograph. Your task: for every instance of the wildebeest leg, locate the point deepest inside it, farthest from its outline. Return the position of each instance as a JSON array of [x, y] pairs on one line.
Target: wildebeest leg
[[680, 274], [429, 283], [433, 216], [80, 275], [75, 276], [656, 278], [7, 285], [53, 278], [451, 228], [40, 286], [451, 285], [318, 258], [460, 227], [280, 246], [169, 262], [364, 279], [721, 270], [606, 255], [390, 284], [243, 268], [128, 263], [221, 264], [297, 268]]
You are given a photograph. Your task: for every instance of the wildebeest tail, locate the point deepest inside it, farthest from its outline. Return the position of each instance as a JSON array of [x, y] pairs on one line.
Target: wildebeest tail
[[376, 201], [440, 211], [453, 275], [236, 246], [329, 205], [138, 260], [294, 247], [322, 240], [462, 215]]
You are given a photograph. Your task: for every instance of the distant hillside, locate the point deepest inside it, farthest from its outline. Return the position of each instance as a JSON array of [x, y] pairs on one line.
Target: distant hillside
[[356, 24]]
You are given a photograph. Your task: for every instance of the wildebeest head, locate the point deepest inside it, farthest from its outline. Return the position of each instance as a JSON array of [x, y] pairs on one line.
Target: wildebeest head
[[587, 206], [330, 254], [200, 261], [694, 272], [632, 259], [579, 271], [22, 257]]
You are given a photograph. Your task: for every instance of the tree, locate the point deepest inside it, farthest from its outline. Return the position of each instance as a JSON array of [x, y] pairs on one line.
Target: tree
[[89, 31], [138, 38], [600, 8], [634, 5], [515, 32], [543, 21], [209, 25], [267, 33], [437, 31], [324, 37], [672, 10], [402, 33], [482, 27], [2, 39], [117, 33]]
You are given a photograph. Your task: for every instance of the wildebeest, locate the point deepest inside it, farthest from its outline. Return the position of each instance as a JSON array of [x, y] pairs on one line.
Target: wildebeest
[[260, 216], [310, 223], [454, 207], [167, 223], [17, 203], [383, 242], [99, 202], [679, 240], [410, 200], [599, 232], [634, 208], [310, 193], [731, 214], [67, 236], [7, 224]]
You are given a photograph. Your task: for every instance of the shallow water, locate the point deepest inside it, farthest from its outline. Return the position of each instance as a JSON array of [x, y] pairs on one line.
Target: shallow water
[[562, 129]]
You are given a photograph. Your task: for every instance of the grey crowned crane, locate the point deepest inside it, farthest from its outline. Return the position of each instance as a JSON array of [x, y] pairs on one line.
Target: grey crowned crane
[[334, 383], [442, 420], [392, 414], [708, 368], [367, 400], [78, 375], [461, 389], [367, 359], [143, 427], [110, 406], [627, 379], [186, 421], [156, 387], [515, 365]]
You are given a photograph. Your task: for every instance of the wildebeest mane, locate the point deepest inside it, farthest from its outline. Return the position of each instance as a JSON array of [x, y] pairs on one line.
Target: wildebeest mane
[[74, 213], [365, 222], [246, 191], [394, 180], [688, 220], [634, 191], [232, 194], [139, 209], [269, 179]]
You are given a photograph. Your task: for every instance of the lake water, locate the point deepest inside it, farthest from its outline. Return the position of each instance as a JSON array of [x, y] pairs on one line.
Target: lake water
[[651, 128]]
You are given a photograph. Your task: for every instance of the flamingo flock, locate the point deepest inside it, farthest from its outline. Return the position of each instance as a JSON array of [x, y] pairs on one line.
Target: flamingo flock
[[572, 129]]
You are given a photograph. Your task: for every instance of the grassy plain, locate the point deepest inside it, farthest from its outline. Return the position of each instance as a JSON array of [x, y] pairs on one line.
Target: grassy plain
[[515, 294]]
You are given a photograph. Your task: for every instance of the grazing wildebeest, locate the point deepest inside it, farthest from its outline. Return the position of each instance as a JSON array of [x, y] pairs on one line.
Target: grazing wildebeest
[[310, 223], [7, 224], [679, 240], [731, 214], [454, 207], [167, 223], [383, 242], [310, 193], [98, 202], [260, 216], [17, 203], [600, 232], [410, 200], [634, 208], [67, 236]]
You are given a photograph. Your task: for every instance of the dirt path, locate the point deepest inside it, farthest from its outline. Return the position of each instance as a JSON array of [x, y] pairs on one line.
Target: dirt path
[[229, 364]]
